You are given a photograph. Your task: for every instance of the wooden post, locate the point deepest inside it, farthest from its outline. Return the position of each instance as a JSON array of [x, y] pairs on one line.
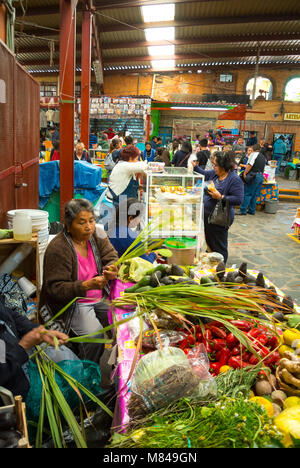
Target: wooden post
[[86, 40], [67, 100]]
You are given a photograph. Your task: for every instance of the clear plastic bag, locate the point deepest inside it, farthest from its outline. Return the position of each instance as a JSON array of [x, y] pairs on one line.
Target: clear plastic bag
[[151, 341], [163, 377], [199, 361]]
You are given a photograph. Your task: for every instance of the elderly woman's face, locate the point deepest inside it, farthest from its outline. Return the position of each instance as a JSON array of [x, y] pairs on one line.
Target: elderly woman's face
[[79, 149], [83, 226]]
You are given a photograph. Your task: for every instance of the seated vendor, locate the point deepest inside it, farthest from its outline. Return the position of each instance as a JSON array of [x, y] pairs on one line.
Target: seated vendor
[[79, 262], [17, 336], [127, 217]]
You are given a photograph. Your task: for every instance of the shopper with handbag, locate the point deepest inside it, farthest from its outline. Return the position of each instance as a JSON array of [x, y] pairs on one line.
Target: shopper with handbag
[[181, 156], [225, 191], [253, 178]]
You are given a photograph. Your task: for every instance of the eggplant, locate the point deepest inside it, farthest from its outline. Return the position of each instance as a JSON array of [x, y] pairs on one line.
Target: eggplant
[[279, 316], [220, 271], [166, 280], [230, 277], [239, 279], [8, 420], [155, 279], [260, 280], [273, 294], [176, 271], [288, 301], [250, 279], [243, 270]]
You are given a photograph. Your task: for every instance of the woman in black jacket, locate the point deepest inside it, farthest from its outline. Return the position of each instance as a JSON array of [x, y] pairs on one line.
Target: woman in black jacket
[[181, 156]]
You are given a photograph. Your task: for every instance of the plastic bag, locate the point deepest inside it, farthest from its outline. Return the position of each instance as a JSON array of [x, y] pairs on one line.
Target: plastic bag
[[161, 378], [163, 321], [199, 361], [134, 269], [85, 372], [151, 341]]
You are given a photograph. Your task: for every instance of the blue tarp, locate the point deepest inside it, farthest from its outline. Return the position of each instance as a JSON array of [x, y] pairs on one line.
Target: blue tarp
[[87, 178]]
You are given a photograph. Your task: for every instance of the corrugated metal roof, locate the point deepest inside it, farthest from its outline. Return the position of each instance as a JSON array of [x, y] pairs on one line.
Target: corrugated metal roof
[[186, 11], [235, 8]]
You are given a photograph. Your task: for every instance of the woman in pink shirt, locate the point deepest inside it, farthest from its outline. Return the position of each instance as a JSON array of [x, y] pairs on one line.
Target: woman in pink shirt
[[79, 262]]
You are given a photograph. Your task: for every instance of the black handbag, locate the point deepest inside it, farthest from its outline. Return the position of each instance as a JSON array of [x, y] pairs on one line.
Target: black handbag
[[220, 215], [249, 177]]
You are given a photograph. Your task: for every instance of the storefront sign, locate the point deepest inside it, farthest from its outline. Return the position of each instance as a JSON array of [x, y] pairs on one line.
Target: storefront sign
[[291, 116]]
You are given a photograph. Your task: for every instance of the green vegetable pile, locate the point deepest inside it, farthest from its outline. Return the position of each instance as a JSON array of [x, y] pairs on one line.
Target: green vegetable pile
[[228, 423], [227, 420]]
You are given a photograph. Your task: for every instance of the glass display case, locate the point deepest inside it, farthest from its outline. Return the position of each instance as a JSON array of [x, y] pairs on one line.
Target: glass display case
[[175, 196]]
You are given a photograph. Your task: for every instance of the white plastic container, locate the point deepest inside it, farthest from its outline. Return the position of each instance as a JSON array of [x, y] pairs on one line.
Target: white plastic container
[[22, 226]]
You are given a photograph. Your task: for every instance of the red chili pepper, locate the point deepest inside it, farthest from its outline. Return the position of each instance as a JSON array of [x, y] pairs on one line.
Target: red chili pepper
[[207, 341], [246, 356], [224, 356], [214, 367], [186, 350], [191, 340], [262, 350], [235, 351], [218, 344], [242, 325], [231, 340], [183, 344], [263, 339], [253, 360], [199, 337], [273, 342], [213, 323], [218, 332], [236, 362], [277, 357], [254, 332]]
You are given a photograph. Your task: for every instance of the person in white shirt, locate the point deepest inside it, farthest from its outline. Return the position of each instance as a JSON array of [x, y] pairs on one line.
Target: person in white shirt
[[123, 176], [123, 181]]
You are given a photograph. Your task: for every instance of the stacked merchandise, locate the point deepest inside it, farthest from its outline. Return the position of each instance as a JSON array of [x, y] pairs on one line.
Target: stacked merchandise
[[121, 113]]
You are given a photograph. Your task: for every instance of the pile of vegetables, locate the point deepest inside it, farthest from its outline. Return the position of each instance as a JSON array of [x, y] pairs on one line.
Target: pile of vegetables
[[228, 420], [161, 275], [282, 310], [224, 348]]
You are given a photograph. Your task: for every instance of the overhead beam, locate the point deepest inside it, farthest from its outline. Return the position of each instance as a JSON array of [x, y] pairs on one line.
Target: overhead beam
[[104, 5], [194, 56], [202, 21], [275, 66], [179, 42]]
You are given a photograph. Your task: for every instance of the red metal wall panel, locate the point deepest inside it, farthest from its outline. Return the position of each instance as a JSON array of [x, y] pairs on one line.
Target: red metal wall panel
[[19, 137]]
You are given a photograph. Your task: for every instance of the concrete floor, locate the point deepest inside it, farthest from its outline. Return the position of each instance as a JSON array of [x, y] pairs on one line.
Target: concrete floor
[[263, 243]]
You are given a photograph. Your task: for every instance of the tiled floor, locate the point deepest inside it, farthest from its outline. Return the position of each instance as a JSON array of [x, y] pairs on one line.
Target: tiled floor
[[263, 243]]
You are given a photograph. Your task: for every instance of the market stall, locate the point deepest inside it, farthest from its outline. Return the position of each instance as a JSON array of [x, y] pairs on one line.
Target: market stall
[[174, 371]]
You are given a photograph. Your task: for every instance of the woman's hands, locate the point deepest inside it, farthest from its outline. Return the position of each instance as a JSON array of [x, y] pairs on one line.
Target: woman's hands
[[110, 272], [39, 335], [215, 194]]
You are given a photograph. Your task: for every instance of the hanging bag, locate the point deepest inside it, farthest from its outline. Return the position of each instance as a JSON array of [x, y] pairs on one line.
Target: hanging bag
[[220, 215]]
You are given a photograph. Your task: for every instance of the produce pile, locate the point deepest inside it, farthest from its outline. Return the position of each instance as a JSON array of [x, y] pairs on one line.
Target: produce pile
[[236, 382]]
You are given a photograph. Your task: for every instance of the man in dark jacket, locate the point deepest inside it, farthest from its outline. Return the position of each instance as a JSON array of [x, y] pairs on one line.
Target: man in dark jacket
[[17, 336], [204, 154]]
